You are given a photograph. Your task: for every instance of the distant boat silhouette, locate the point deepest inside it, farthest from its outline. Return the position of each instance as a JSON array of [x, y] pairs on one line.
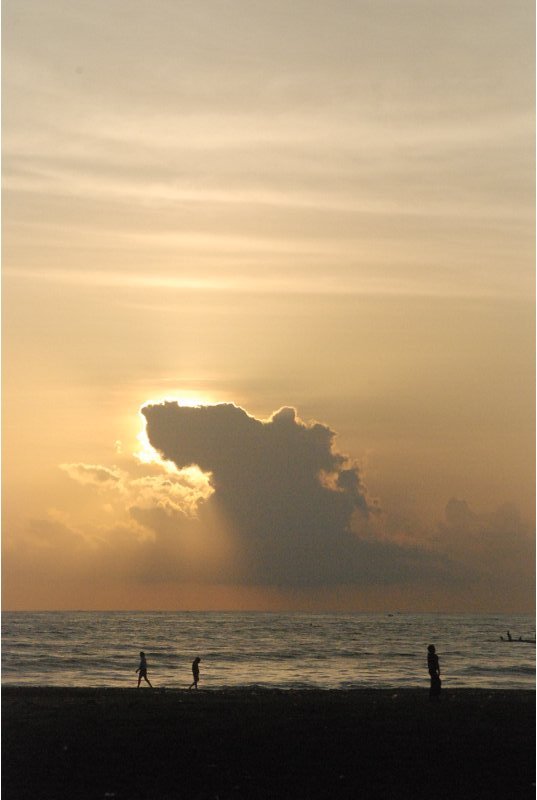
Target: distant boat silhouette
[[516, 641]]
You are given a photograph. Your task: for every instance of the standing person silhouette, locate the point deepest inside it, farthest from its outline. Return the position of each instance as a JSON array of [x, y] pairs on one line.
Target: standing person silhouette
[[195, 673], [433, 666], [142, 671]]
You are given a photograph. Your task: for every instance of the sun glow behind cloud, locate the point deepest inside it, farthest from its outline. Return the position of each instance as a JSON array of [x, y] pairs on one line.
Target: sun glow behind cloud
[[146, 453]]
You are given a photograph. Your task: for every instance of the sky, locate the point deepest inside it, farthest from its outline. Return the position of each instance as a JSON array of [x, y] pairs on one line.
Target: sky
[[268, 305]]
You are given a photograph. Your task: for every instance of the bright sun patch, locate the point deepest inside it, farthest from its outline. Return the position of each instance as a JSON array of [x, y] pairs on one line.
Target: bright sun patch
[[185, 397], [192, 475], [146, 453]]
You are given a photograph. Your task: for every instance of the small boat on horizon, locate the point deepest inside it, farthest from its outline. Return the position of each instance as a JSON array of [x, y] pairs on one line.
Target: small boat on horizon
[[516, 641]]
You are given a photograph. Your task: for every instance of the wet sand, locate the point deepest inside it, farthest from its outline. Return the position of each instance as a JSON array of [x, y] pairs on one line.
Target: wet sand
[[123, 744]]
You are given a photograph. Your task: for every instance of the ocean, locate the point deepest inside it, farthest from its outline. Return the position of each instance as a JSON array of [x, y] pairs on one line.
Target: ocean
[[273, 650]]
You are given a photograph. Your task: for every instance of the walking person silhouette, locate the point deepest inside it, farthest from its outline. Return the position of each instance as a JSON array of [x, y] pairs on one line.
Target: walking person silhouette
[[195, 673], [142, 671], [433, 666]]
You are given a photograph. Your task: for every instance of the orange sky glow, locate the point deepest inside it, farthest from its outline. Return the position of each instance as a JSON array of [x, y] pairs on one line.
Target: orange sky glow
[[268, 319]]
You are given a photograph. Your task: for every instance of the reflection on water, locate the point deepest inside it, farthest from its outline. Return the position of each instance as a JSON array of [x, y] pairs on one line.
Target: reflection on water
[[283, 650]]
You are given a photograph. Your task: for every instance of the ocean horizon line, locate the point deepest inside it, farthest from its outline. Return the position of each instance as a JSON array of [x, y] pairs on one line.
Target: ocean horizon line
[[515, 613]]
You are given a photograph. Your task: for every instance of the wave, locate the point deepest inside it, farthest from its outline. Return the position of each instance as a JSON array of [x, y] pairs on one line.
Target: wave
[[278, 650], [515, 669]]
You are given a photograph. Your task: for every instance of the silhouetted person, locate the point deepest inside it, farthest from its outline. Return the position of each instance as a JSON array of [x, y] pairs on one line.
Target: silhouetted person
[[509, 637], [195, 673], [433, 666], [142, 671]]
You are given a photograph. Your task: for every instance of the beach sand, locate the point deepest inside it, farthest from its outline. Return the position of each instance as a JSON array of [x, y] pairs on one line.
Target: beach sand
[[123, 744]]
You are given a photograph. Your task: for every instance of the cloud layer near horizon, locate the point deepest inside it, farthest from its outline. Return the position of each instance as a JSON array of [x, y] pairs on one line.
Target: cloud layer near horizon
[[260, 503]]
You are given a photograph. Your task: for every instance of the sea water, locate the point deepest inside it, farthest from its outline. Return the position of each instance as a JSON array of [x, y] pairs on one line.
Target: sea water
[[293, 650]]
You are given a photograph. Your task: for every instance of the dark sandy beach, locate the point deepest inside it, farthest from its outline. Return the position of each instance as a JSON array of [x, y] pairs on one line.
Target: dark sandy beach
[[125, 744]]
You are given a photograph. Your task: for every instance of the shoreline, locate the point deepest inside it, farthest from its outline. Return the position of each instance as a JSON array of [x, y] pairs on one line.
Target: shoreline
[[260, 743], [14, 689]]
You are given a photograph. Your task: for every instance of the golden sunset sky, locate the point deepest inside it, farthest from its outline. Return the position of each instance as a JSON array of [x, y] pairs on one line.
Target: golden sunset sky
[[322, 206]]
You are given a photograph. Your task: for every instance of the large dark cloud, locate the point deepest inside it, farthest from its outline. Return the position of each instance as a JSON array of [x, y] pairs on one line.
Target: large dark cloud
[[297, 509]]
